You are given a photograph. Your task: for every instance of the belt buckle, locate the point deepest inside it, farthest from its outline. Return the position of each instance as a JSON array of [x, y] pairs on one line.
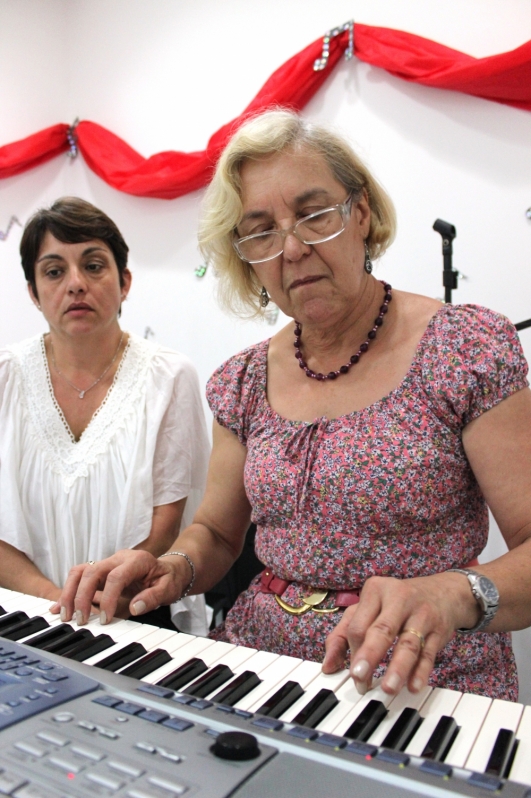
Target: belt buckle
[[309, 603]]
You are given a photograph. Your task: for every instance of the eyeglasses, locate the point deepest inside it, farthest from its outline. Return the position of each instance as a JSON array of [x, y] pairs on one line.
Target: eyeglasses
[[313, 229]]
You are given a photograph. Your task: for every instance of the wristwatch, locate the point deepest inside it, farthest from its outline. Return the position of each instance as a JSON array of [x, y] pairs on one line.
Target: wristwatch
[[486, 594]]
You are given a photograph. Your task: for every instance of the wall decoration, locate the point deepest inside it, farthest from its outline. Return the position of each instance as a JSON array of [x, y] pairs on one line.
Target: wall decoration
[[503, 78], [4, 233]]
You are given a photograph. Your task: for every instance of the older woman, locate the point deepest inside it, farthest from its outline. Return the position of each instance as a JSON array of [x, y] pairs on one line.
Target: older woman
[[103, 437], [365, 440]]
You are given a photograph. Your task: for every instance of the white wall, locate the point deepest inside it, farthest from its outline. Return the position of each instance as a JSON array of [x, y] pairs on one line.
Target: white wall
[[166, 74]]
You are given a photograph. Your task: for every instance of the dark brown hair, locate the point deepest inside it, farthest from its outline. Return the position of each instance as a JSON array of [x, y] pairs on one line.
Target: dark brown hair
[[70, 220]]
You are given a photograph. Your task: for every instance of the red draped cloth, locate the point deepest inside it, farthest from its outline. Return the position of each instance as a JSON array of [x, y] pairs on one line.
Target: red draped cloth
[[503, 78]]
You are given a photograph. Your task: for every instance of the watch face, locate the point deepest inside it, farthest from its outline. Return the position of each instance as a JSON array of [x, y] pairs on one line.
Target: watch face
[[488, 590]]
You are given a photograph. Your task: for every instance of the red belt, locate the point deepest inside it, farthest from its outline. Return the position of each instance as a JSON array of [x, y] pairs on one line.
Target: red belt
[[269, 583]]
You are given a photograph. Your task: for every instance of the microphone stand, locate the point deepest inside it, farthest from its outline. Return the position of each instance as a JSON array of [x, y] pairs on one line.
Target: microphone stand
[[448, 233]]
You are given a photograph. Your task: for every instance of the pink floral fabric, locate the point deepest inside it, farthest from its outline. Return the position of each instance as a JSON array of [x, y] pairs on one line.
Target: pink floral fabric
[[386, 490]]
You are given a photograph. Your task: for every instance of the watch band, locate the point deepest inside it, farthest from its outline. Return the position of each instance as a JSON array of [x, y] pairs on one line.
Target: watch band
[[488, 605]]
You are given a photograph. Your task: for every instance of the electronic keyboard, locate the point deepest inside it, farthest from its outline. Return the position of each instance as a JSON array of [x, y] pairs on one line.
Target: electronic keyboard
[[237, 721]]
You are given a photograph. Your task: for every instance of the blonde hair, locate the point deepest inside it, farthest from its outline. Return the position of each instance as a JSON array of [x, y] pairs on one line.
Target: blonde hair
[[267, 134]]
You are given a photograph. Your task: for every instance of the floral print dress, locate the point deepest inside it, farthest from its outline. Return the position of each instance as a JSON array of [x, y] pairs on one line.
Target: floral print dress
[[386, 490]]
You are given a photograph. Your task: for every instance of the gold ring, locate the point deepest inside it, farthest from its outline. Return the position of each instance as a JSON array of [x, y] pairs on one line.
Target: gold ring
[[91, 562], [417, 634]]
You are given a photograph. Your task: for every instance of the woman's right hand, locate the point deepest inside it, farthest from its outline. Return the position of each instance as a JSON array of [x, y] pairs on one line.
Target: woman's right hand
[[135, 575]]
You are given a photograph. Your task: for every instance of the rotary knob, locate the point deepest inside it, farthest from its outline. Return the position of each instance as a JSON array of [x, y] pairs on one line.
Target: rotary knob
[[235, 745]]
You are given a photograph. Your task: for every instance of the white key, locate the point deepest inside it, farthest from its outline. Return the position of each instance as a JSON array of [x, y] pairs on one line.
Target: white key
[[401, 701], [275, 674], [521, 769], [441, 702], [339, 720], [321, 681], [469, 715], [501, 715]]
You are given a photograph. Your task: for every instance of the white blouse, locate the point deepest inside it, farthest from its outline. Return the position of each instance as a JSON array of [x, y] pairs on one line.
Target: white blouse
[[64, 502]]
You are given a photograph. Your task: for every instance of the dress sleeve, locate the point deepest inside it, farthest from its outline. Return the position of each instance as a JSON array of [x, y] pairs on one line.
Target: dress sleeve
[[182, 448], [476, 360], [236, 387]]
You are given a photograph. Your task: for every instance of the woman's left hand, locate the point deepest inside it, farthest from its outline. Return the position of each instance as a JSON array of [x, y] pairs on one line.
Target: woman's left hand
[[421, 614]]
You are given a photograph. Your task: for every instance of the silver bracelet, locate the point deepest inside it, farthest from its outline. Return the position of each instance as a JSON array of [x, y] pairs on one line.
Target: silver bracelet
[[192, 568]]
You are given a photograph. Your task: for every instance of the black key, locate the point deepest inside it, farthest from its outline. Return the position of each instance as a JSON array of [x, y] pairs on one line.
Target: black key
[[88, 648], [67, 642], [155, 659], [367, 721], [51, 635], [502, 753], [2, 611], [403, 729], [441, 740], [316, 709], [25, 628], [210, 681], [184, 674], [12, 617], [238, 689], [124, 656], [283, 699]]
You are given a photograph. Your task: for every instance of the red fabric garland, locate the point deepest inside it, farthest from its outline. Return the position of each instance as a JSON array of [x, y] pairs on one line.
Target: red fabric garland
[[503, 78]]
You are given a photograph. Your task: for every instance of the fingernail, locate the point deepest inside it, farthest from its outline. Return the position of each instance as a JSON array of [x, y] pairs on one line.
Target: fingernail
[[361, 687], [360, 669], [417, 684], [139, 608], [62, 614], [392, 682], [79, 618], [103, 617]]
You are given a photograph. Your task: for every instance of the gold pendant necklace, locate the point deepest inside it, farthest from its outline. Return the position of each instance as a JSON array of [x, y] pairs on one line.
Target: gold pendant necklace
[[102, 375]]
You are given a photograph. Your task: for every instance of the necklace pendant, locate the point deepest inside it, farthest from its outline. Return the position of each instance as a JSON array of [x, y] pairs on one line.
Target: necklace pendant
[[81, 394]]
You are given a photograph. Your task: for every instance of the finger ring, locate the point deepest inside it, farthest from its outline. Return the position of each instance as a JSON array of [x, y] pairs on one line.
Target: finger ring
[[417, 634], [91, 562]]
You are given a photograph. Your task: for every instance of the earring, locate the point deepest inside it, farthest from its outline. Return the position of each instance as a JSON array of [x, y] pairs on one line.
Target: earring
[[264, 298], [39, 307], [368, 262]]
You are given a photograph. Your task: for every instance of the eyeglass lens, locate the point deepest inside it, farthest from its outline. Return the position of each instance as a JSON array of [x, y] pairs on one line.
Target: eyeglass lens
[[313, 229]]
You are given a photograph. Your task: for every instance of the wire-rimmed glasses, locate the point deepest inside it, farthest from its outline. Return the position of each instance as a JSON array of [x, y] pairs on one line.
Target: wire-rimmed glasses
[[313, 229]]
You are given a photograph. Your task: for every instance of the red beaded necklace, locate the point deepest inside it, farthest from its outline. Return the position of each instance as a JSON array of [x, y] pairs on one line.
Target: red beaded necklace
[[371, 335]]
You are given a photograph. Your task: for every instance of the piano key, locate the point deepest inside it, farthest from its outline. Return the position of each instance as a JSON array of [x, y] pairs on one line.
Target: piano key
[[237, 689], [193, 647], [12, 617], [68, 641], [304, 674], [502, 753], [210, 681], [184, 674], [271, 676], [469, 715], [501, 715], [25, 628], [317, 709], [145, 665], [327, 681], [367, 721], [521, 767], [149, 638], [120, 659], [50, 636], [351, 703], [281, 700], [403, 730], [441, 701], [87, 648], [401, 701], [441, 739]]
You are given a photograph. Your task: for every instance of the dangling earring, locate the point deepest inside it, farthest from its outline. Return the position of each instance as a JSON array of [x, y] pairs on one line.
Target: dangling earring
[[264, 298], [368, 262]]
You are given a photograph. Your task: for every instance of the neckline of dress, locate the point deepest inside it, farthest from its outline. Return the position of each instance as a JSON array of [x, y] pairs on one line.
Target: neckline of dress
[[56, 404], [404, 382]]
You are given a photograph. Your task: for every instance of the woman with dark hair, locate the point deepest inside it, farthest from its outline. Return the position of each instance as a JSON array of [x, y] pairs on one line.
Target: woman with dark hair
[[103, 441]]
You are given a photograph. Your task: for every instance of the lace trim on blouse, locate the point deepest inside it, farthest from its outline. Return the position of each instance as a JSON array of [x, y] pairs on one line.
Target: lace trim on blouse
[[48, 428]]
